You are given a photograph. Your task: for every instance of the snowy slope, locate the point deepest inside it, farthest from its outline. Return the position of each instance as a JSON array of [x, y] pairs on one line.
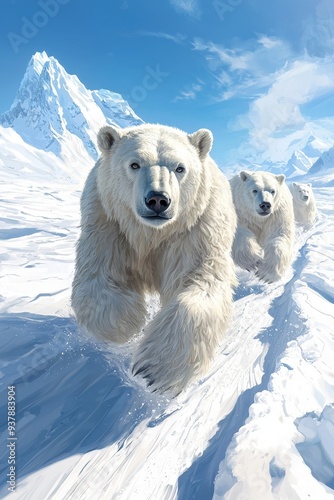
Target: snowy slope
[[322, 170], [261, 421], [259, 425], [21, 160]]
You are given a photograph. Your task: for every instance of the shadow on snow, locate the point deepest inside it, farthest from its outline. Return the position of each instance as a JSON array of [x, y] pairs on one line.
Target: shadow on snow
[[70, 398]]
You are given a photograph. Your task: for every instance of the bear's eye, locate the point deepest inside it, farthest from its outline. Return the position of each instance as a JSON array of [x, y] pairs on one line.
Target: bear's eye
[[273, 191], [180, 169], [134, 166], [254, 191]]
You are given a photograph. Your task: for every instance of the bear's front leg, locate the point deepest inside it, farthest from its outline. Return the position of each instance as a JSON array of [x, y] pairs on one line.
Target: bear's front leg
[[246, 251], [181, 340], [277, 259], [107, 303], [107, 311]]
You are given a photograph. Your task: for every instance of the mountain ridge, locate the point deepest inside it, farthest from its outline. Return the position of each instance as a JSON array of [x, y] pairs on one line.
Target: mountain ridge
[[52, 106]]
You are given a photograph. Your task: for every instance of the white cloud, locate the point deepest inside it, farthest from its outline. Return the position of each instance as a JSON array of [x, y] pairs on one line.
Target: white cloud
[[318, 36], [280, 86], [244, 71], [280, 108], [178, 38], [189, 7], [265, 54], [218, 55], [269, 43], [191, 93], [224, 78]]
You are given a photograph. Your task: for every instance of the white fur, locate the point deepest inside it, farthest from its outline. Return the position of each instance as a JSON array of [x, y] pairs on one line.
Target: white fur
[[303, 204], [263, 243], [185, 258]]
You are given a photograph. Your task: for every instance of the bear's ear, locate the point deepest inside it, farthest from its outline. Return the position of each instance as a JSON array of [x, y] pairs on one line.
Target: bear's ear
[[244, 174], [280, 178], [202, 140], [294, 184], [309, 185], [106, 138]]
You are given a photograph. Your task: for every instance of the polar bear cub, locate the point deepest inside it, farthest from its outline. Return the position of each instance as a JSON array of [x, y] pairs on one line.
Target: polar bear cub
[[303, 204], [265, 234], [157, 216]]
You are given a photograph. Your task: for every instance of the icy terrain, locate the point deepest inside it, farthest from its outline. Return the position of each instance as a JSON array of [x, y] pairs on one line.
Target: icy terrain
[[258, 426]]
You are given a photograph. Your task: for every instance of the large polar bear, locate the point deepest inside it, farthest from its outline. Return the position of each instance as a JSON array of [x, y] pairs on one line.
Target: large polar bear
[[157, 216], [265, 235], [303, 204]]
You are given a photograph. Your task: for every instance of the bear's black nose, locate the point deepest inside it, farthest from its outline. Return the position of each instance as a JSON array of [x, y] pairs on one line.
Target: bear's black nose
[[158, 202], [265, 205], [305, 197]]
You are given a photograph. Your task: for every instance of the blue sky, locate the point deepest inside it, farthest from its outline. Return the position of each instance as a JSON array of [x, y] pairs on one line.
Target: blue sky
[[249, 70]]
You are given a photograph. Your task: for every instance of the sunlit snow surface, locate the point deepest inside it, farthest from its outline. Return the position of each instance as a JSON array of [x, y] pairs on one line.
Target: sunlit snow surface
[[259, 425]]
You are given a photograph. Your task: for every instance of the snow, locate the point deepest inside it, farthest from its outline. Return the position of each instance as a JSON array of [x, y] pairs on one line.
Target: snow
[[259, 425]]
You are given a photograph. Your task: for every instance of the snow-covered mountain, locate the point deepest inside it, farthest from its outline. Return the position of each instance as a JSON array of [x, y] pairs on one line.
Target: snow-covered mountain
[[292, 155], [321, 172], [258, 426], [303, 159], [53, 111], [298, 164]]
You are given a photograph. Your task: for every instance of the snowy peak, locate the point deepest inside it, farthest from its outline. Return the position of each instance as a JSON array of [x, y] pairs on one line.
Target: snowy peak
[[315, 147], [53, 108], [39, 59], [298, 164], [37, 63]]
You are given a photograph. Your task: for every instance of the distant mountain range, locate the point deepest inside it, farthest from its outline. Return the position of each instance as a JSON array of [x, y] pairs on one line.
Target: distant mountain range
[[294, 156], [55, 119], [301, 160]]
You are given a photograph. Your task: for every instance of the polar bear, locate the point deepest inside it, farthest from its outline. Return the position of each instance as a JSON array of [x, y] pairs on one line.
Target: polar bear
[[265, 235], [303, 204], [157, 216]]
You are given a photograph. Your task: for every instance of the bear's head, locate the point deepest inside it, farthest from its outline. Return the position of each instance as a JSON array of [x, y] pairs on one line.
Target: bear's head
[[151, 171], [302, 192], [262, 191]]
